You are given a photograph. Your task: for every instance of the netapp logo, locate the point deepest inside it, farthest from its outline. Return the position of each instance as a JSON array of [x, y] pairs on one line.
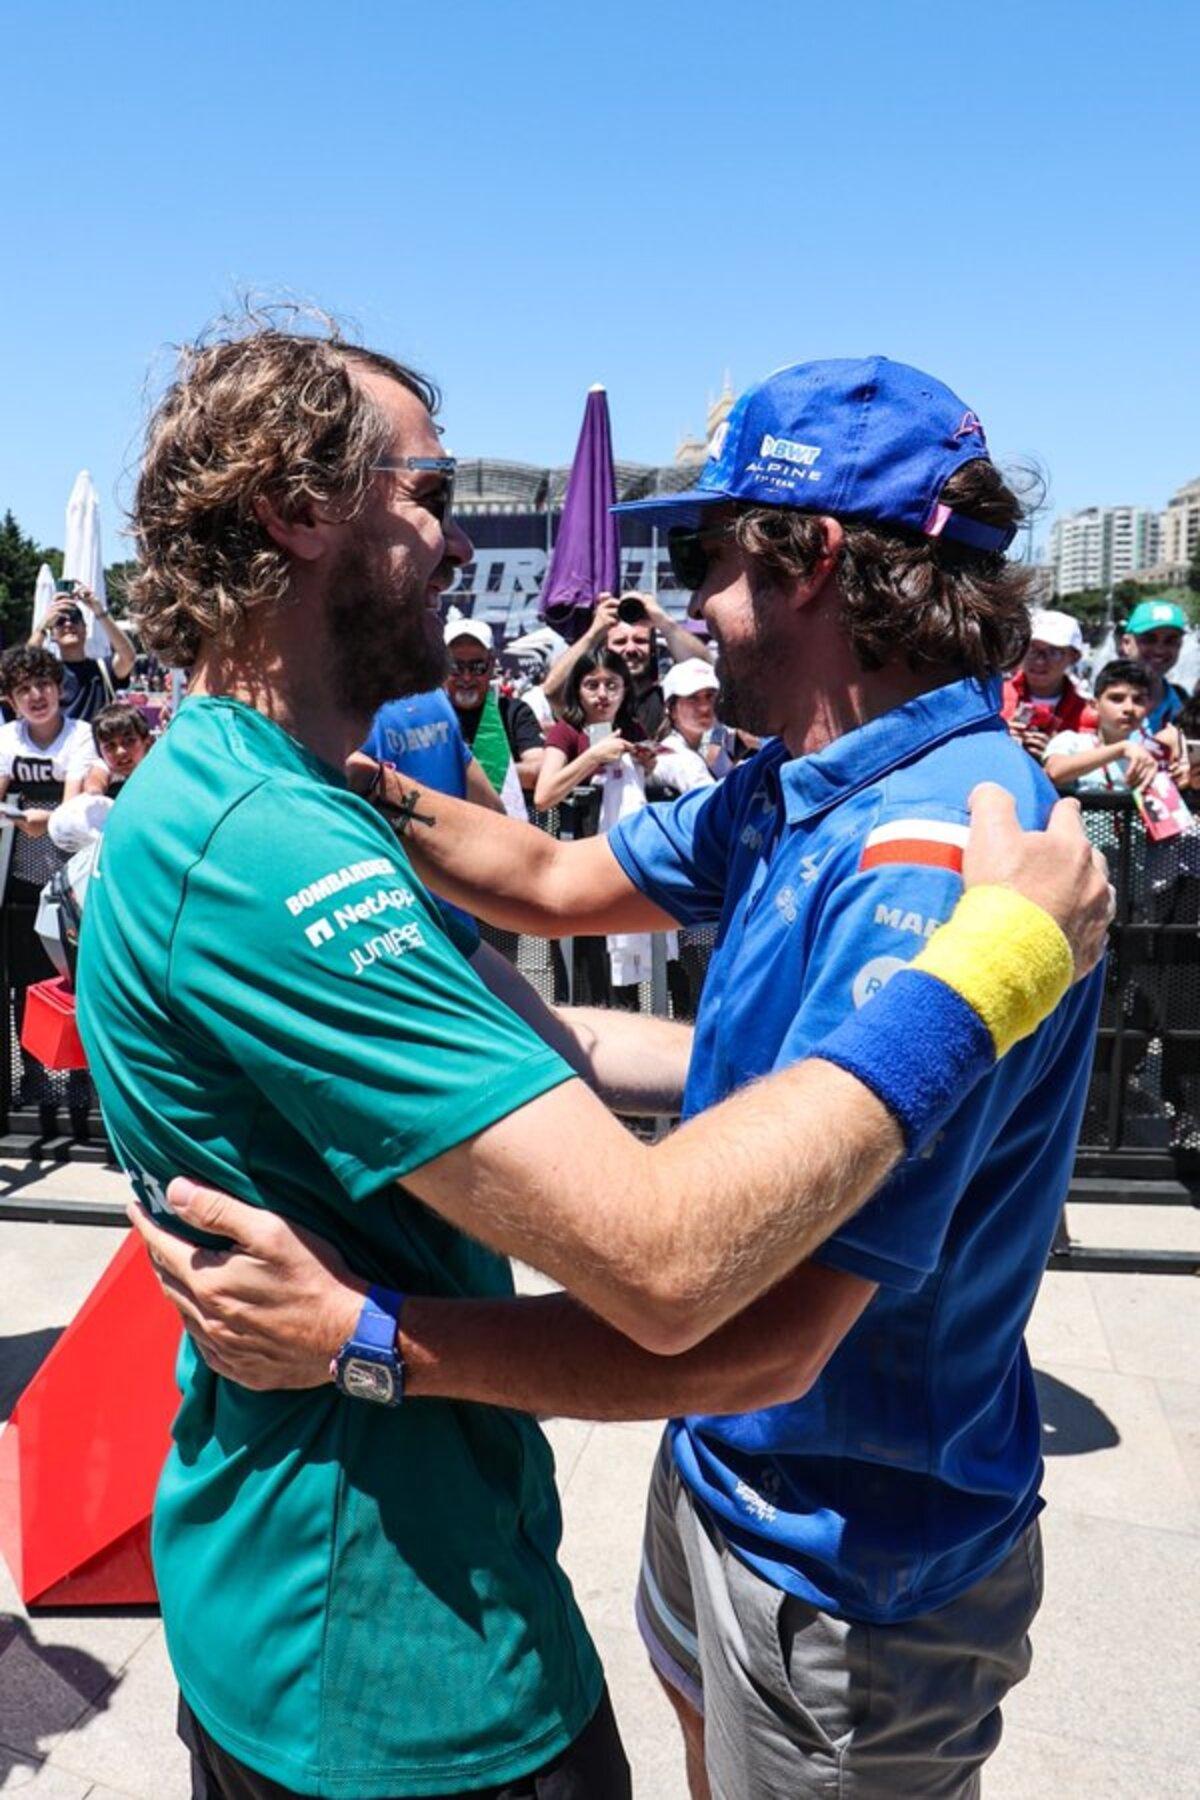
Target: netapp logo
[[788, 450]]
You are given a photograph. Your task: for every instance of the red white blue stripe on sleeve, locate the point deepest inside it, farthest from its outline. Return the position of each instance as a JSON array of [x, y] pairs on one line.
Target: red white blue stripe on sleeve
[[935, 843]]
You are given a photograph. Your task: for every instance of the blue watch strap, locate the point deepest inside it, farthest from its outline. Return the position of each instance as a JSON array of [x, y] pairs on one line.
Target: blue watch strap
[[378, 1319]]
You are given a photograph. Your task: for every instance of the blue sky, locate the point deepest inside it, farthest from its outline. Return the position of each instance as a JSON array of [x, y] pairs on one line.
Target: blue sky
[[526, 198]]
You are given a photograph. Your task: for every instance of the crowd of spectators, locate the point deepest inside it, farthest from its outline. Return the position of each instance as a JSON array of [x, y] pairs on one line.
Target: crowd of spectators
[[624, 717], [1136, 734]]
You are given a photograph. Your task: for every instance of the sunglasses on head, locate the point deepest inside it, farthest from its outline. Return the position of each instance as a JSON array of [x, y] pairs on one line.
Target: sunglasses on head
[[690, 549]]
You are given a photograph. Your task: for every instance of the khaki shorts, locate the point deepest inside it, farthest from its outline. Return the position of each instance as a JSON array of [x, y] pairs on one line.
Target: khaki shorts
[[797, 1702]]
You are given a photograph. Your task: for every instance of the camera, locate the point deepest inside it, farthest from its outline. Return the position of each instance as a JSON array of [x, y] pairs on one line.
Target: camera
[[631, 610]]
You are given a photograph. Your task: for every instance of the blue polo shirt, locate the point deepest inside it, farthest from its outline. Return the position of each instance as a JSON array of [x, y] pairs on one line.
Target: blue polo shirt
[[912, 1465], [421, 736]]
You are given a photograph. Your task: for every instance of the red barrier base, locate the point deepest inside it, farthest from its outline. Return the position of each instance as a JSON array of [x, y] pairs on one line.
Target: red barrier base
[[80, 1457]]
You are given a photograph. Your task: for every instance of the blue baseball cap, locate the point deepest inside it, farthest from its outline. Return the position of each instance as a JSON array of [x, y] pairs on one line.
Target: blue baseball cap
[[866, 439]]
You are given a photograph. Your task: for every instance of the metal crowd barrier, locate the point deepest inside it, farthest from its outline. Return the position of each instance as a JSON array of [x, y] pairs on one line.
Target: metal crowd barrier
[[1140, 1138]]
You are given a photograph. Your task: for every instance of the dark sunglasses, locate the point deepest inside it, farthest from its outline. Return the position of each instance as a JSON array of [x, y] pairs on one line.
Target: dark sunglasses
[[70, 617], [477, 666], [690, 550], [440, 503]]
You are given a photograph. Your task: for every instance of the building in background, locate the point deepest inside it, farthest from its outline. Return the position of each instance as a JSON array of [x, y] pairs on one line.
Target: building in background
[[1179, 530], [1101, 545]]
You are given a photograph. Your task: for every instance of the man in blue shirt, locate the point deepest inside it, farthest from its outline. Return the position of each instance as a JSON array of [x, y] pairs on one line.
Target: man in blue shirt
[[841, 1557], [420, 735]]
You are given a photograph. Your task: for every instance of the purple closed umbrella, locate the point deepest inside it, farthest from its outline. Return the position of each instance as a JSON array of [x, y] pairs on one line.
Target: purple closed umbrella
[[587, 558]]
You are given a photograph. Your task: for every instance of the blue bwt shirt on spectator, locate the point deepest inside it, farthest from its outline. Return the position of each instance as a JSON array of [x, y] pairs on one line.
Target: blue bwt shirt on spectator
[[913, 1464], [422, 737]]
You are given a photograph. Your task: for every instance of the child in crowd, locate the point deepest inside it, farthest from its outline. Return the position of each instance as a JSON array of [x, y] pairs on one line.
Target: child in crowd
[[1116, 752], [44, 759], [1043, 698], [122, 735]]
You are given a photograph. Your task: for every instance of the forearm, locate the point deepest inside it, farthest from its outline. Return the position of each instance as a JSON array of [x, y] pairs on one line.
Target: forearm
[[123, 653], [681, 645], [480, 791], [555, 785], [1082, 762], [636, 1063], [551, 1356], [515, 876], [528, 769], [466, 853], [633, 1062]]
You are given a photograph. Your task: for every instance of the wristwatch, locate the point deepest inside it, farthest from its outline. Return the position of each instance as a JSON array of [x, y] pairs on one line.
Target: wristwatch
[[369, 1366]]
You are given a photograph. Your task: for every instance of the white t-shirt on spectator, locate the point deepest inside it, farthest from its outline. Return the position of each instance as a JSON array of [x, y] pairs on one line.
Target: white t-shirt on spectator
[[31, 767], [681, 768], [1072, 743]]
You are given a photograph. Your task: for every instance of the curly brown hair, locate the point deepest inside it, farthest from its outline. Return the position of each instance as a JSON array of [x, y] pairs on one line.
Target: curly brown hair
[[933, 603], [28, 662], [255, 410]]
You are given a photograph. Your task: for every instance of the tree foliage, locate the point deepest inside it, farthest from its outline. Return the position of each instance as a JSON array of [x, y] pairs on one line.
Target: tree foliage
[[20, 560], [1089, 605]]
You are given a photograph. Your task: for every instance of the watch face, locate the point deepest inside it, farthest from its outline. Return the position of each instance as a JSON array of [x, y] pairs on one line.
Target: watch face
[[368, 1381]]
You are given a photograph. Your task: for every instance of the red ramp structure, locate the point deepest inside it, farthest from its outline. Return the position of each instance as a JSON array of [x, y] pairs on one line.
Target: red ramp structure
[[80, 1457]]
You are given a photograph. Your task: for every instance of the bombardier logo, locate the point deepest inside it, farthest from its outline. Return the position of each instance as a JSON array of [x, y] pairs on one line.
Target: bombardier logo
[[788, 450]]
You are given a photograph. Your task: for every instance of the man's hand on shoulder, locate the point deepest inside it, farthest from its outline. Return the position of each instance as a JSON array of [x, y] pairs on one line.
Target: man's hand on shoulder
[[1058, 869]]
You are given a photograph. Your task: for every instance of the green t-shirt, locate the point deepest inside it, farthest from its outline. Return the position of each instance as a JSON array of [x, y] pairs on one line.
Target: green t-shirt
[[358, 1601]]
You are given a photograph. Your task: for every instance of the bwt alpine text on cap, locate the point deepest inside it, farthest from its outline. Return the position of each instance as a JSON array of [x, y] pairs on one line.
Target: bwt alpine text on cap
[[868, 439]]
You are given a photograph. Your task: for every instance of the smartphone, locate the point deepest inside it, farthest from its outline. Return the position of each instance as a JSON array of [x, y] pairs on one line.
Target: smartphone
[[66, 587]]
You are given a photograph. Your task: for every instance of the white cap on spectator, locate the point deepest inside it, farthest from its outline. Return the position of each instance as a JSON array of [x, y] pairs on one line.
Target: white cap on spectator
[[1058, 629], [690, 677], [478, 629]]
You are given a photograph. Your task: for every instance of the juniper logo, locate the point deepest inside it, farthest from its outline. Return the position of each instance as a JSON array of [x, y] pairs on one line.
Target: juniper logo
[[788, 450]]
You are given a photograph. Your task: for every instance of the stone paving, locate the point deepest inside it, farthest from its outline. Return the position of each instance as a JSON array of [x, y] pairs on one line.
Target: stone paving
[[1110, 1711]]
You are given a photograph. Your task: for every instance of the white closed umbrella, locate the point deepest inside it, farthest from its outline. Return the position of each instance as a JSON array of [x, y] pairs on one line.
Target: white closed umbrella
[[44, 594], [83, 559]]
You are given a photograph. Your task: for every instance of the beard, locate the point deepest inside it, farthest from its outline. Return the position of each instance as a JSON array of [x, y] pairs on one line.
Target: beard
[[747, 670], [384, 642]]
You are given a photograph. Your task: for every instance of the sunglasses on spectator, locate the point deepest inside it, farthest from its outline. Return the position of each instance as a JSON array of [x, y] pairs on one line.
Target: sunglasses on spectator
[[478, 665], [690, 550], [71, 617], [439, 502]]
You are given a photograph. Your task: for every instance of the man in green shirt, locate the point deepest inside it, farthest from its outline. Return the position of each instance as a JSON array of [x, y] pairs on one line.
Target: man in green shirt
[[363, 1600]]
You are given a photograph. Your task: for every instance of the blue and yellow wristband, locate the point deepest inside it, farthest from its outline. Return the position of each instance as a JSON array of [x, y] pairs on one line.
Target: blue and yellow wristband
[[986, 979]]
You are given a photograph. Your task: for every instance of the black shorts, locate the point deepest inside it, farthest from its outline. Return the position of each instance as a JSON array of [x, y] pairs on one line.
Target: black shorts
[[594, 1767]]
